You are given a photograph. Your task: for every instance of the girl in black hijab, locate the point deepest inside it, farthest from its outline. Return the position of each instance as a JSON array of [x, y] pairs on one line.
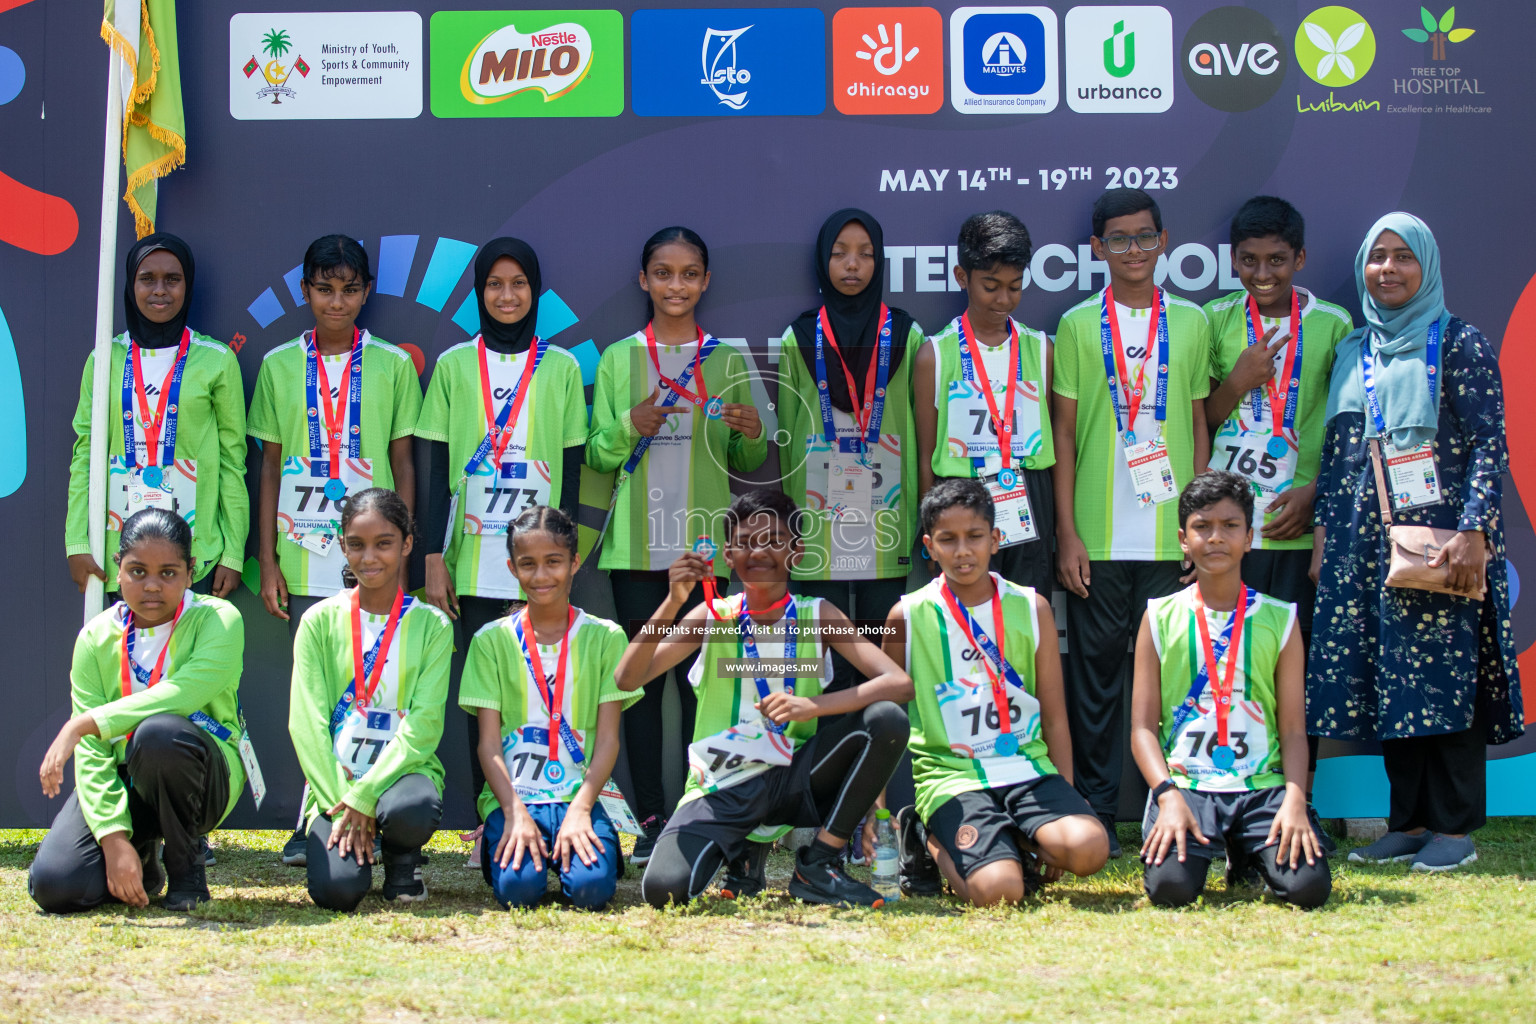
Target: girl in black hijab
[[186, 411]]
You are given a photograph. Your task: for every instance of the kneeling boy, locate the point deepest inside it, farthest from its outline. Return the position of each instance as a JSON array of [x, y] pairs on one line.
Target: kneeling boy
[[1217, 725], [758, 765], [989, 719]]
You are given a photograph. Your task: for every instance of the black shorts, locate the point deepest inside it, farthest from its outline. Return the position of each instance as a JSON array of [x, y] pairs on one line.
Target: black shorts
[[982, 826], [1240, 819]]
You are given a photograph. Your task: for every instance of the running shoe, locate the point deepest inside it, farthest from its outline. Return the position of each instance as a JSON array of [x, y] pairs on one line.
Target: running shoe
[[402, 880], [1443, 853], [919, 872], [651, 827], [826, 882], [1394, 847], [296, 849], [746, 876]]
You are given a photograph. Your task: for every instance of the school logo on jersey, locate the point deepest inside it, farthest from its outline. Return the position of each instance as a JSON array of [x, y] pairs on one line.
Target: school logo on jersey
[[1119, 60], [887, 60], [1233, 59], [1002, 60], [741, 61], [527, 64]]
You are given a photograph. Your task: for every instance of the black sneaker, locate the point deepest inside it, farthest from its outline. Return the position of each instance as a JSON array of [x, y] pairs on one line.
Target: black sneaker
[[187, 891], [651, 828], [402, 880], [296, 849], [919, 873], [154, 874], [826, 882], [1242, 870], [1108, 821], [746, 876], [209, 860]]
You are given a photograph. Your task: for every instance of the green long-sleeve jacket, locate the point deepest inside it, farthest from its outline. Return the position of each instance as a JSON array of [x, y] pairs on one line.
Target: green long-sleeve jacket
[[202, 673], [322, 668], [210, 431]]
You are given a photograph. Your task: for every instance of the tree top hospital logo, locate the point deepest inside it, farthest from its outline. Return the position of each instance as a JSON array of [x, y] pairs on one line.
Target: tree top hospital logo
[[527, 63], [1119, 60], [728, 63], [1335, 46], [887, 60], [1002, 60], [1233, 59]]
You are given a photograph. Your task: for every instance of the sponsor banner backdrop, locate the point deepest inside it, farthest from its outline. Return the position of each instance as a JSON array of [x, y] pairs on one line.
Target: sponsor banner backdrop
[[748, 124]]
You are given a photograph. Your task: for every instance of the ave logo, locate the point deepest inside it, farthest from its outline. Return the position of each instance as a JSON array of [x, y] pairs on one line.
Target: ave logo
[[1234, 59], [887, 60]]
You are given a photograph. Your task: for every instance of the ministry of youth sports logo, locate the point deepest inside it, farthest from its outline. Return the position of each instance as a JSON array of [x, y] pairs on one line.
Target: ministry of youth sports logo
[[721, 73]]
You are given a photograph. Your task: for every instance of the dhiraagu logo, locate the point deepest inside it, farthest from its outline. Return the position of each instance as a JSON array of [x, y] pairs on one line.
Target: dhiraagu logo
[[1335, 46], [527, 64]]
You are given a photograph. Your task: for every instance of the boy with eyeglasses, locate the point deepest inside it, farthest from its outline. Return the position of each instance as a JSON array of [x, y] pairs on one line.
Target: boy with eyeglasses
[[1132, 375]]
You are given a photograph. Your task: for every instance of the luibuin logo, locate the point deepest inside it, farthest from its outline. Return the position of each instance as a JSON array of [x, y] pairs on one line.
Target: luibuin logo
[[553, 60], [1125, 63], [719, 60], [1335, 46], [1439, 32], [276, 44]]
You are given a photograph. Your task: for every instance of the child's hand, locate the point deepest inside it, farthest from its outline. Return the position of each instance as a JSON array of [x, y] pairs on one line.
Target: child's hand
[[648, 416], [1175, 823], [125, 871], [742, 418], [274, 590], [1256, 364], [689, 569], [780, 708], [577, 836], [1292, 829], [82, 568], [352, 832], [521, 838]]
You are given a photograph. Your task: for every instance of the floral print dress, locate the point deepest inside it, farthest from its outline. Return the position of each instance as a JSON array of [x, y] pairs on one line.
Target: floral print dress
[[1389, 662]]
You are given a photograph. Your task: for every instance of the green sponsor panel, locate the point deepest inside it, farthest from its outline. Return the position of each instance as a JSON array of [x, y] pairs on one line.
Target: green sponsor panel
[[527, 63]]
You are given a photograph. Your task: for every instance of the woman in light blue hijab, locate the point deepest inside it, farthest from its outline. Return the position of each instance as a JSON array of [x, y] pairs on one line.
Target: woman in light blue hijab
[[1432, 676]]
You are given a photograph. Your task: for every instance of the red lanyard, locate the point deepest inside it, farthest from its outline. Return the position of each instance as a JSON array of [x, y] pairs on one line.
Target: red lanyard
[[994, 673], [364, 689], [1134, 394], [153, 423], [335, 417], [500, 441], [779, 606], [867, 408], [1004, 424], [1221, 691], [127, 658], [699, 398], [1271, 388], [555, 698]]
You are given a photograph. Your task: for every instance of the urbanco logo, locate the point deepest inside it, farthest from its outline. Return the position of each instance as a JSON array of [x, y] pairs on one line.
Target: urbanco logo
[[1335, 46], [728, 62], [887, 60], [527, 63], [1002, 60], [1119, 60], [1233, 59]]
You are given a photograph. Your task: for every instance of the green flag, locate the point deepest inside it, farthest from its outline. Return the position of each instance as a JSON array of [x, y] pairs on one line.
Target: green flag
[[143, 32]]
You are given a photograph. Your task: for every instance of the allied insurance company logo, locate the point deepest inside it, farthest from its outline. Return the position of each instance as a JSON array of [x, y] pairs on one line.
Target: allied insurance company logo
[[887, 60], [1233, 59], [1335, 46], [1003, 60], [527, 63], [275, 44]]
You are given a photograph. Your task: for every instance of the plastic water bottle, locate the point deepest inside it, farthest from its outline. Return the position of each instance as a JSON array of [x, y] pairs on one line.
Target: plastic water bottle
[[885, 874]]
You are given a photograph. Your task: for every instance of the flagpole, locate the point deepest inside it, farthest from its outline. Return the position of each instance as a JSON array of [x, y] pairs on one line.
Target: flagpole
[[101, 381]]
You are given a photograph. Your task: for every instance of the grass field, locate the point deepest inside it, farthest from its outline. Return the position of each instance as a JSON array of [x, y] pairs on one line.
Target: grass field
[[1389, 946]]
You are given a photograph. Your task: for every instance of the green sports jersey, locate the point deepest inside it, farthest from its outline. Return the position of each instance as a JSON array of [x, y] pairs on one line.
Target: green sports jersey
[[878, 546], [1253, 728], [279, 415], [413, 686], [1323, 325], [728, 702], [955, 724], [496, 677], [1112, 523], [202, 673], [964, 417], [681, 489], [553, 417], [210, 433]]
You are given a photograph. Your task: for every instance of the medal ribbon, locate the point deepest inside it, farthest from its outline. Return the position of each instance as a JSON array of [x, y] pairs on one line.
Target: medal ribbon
[[675, 388], [749, 647], [679, 387], [875, 380], [368, 669], [998, 669], [1221, 687], [1282, 415], [976, 370], [522, 628], [1115, 365], [1368, 376], [159, 427], [499, 427], [318, 388]]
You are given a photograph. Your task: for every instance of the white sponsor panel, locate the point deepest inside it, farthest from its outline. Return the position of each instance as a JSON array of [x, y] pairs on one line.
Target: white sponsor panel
[[352, 65]]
